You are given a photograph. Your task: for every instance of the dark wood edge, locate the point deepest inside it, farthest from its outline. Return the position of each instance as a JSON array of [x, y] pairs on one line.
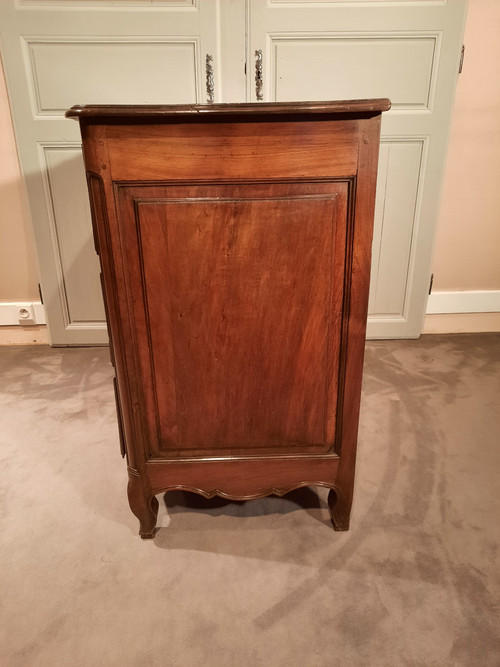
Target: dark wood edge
[[161, 111], [242, 479], [262, 493], [166, 460]]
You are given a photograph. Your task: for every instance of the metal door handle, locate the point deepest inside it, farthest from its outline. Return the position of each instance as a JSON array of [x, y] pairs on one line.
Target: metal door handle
[[258, 75], [210, 78]]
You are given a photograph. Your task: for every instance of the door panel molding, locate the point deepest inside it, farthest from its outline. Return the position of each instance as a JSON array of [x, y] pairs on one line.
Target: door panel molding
[[420, 82], [62, 171], [306, 4], [65, 60], [397, 219], [166, 5]]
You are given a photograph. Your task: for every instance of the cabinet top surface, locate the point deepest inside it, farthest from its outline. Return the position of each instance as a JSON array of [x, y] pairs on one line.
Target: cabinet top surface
[[131, 112]]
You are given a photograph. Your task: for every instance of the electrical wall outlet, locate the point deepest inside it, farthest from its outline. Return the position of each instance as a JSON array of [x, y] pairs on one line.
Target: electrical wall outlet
[[25, 314]]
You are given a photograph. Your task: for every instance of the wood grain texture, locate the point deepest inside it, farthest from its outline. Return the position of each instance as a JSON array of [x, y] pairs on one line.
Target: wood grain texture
[[284, 148], [243, 302], [235, 250]]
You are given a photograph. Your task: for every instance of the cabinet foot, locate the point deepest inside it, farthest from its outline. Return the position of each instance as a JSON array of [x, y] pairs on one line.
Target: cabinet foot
[[340, 510], [143, 504]]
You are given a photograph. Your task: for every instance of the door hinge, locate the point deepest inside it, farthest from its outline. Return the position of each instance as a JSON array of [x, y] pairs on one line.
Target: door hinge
[[40, 293], [245, 69], [430, 283], [462, 54]]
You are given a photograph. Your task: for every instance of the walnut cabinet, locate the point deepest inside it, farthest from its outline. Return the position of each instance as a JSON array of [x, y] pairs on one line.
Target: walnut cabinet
[[235, 245]]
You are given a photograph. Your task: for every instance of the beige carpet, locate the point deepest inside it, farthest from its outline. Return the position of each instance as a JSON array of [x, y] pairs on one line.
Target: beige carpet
[[416, 581]]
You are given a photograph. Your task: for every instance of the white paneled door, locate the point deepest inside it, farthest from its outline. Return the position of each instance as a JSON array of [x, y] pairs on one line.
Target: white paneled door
[[57, 53], [409, 51], [65, 52]]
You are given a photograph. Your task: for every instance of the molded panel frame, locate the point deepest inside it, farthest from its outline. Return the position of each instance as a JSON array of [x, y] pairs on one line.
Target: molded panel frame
[[352, 38], [29, 45], [138, 325]]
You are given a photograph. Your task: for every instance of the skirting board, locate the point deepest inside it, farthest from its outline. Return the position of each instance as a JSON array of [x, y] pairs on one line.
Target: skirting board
[[17, 331], [463, 312], [9, 313], [472, 301], [14, 330]]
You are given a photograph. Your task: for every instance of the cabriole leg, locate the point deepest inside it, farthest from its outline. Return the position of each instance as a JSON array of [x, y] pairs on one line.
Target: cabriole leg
[[142, 503], [340, 509]]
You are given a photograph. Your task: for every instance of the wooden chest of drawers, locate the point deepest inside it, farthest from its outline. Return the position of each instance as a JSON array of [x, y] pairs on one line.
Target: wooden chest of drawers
[[235, 245]]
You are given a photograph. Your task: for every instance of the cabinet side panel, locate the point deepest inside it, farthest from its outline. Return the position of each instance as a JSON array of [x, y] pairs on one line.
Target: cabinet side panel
[[356, 309], [107, 245], [238, 301]]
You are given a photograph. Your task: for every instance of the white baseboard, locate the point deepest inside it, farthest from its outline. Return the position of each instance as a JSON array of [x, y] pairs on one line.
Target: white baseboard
[[471, 301], [9, 313]]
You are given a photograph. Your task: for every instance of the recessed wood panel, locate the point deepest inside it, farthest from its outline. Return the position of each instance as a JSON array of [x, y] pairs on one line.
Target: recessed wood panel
[[111, 72], [247, 344], [398, 67]]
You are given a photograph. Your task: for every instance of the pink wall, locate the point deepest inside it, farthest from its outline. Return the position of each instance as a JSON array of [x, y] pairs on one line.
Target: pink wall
[[18, 266], [467, 251]]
